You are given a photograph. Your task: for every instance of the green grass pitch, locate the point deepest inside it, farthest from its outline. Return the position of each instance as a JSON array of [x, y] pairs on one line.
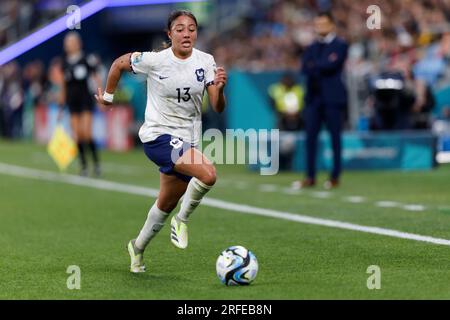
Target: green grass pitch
[[47, 226]]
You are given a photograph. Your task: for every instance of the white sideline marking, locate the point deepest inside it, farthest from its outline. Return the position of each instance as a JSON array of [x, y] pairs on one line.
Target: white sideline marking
[[355, 199], [241, 185], [241, 208], [292, 191], [387, 204], [414, 207], [268, 187], [321, 194]]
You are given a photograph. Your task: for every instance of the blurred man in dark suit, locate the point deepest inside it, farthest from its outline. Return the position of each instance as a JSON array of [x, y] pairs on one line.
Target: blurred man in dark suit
[[326, 97]]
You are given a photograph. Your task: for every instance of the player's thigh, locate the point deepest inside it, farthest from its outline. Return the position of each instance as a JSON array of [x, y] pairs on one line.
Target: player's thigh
[[193, 163], [171, 190]]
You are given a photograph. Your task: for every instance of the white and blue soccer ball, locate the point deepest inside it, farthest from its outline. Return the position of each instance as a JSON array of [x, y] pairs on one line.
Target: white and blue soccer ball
[[236, 266]]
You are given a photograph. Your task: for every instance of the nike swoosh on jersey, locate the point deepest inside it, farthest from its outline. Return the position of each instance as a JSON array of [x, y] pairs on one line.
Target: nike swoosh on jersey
[[162, 78]]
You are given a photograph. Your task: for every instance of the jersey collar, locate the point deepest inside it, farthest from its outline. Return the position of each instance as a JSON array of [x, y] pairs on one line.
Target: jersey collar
[[176, 59]]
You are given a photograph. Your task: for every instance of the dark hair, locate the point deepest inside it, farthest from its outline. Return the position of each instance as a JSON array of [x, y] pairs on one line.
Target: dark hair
[[326, 14], [172, 17], [178, 13]]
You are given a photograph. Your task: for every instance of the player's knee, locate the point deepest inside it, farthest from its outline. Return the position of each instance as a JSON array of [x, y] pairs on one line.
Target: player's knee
[[167, 206], [209, 177]]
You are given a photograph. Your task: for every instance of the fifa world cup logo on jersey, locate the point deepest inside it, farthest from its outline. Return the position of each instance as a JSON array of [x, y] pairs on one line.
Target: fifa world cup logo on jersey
[[200, 73]]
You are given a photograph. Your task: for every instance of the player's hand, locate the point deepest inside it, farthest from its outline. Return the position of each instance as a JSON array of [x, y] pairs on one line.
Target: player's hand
[[99, 97], [220, 78]]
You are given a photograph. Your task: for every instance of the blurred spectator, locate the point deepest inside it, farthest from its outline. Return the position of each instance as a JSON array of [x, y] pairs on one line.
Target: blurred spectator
[[34, 86], [34, 81], [401, 100], [423, 100], [11, 101], [55, 80], [392, 103], [19, 17], [286, 98]]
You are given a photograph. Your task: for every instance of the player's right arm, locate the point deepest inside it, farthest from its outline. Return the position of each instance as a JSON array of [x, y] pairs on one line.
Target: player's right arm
[[119, 65]]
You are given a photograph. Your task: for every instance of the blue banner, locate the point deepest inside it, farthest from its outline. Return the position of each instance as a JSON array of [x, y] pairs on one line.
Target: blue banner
[[366, 151]]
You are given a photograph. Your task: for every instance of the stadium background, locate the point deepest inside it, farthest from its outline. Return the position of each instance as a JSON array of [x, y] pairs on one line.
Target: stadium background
[[258, 41]]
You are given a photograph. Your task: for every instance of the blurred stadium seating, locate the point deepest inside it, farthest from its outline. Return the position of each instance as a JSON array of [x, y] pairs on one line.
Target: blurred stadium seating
[[256, 40]]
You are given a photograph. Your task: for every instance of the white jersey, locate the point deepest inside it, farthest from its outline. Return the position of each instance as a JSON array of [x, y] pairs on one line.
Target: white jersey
[[175, 89]]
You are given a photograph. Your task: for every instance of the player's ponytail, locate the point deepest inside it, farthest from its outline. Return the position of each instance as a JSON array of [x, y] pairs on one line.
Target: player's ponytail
[[164, 45]]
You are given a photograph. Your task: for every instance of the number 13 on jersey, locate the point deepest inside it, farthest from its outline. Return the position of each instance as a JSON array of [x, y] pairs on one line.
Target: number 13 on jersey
[[186, 95]]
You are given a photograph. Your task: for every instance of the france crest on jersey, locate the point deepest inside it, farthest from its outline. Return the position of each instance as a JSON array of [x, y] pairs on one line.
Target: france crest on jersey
[[200, 73]]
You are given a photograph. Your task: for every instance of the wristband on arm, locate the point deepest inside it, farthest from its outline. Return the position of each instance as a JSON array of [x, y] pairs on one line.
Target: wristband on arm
[[108, 97]]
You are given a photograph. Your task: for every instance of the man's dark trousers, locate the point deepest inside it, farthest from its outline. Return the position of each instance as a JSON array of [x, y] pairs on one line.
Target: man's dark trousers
[[316, 114]]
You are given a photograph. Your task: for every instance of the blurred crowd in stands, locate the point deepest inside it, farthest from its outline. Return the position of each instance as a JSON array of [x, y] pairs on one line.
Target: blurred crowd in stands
[[274, 38], [22, 89], [20, 17], [412, 48]]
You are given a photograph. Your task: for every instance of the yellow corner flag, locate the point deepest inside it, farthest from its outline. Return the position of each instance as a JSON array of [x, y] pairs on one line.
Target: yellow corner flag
[[62, 148]]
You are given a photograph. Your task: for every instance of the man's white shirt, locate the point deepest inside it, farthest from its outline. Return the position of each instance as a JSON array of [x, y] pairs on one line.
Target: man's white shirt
[[175, 89]]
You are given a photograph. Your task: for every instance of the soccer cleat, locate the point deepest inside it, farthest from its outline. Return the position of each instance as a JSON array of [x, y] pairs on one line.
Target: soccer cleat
[[137, 259], [179, 233]]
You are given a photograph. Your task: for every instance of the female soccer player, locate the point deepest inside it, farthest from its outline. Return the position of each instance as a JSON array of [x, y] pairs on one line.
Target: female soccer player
[[176, 80], [75, 93]]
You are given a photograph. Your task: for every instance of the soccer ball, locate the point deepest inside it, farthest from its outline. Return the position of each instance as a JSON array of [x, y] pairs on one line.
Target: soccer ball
[[236, 266]]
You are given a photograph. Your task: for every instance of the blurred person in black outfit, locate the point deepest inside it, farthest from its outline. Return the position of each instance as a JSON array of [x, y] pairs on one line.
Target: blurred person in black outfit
[[326, 96], [391, 102], [400, 100], [77, 68]]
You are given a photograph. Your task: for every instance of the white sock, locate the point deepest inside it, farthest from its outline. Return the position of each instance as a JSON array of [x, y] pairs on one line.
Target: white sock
[[154, 223], [192, 198]]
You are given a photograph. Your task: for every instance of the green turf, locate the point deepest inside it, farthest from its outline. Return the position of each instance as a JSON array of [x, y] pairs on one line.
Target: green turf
[[47, 226]]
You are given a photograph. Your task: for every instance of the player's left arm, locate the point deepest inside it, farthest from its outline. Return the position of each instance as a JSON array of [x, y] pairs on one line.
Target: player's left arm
[[216, 90]]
